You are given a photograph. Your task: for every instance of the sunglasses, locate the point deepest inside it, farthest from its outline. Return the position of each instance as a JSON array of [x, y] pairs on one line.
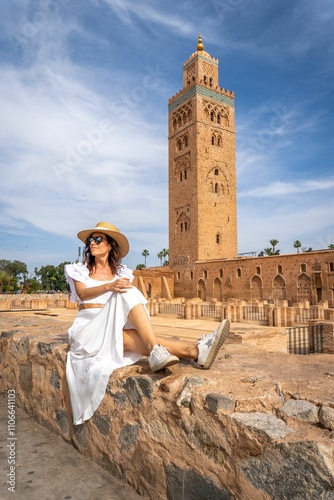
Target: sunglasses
[[97, 239]]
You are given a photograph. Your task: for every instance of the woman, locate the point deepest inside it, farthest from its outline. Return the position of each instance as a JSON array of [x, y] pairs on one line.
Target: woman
[[112, 328]]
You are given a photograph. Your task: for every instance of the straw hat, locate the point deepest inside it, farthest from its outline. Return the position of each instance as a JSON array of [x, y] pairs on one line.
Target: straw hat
[[110, 230]]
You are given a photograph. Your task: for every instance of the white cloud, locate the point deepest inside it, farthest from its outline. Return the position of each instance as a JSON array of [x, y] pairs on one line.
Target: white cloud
[[84, 136], [284, 189]]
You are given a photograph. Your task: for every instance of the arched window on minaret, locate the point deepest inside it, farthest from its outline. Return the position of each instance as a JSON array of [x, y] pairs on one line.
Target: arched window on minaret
[[212, 116], [219, 141], [211, 81], [218, 238], [186, 226], [218, 118], [179, 122], [185, 141], [205, 79], [212, 140], [180, 176], [216, 188], [179, 144], [174, 125], [181, 227], [216, 171], [185, 175]]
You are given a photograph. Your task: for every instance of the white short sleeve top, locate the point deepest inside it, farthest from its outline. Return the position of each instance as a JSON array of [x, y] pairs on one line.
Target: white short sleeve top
[[80, 272]]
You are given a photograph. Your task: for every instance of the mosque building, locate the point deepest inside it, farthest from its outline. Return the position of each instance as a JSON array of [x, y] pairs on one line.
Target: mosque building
[[203, 255]]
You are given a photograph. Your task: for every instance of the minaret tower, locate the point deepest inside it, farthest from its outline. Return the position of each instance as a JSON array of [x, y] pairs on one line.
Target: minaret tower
[[202, 166]]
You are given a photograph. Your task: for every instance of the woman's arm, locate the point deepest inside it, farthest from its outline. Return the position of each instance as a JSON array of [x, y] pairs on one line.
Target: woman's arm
[[85, 293]]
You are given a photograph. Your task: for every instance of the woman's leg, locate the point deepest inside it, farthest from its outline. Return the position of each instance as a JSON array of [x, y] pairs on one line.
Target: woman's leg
[[139, 318], [181, 349], [142, 339]]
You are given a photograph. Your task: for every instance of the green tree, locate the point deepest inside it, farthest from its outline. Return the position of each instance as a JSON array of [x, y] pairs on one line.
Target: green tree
[[297, 245], [165, 253], [8, 284], [331, 246], [52, 278], [145, 253], [274, 243], [4, 264], [11, 273], [270, 250], [140, 266], [14, 268], [160, 256], [32, 285]]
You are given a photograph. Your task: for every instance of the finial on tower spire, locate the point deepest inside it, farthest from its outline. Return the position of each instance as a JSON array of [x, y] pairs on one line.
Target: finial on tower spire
[[200, 45]]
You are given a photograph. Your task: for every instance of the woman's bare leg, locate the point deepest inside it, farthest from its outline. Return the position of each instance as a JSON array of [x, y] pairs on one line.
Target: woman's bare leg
[[182, 349], [140, 320]]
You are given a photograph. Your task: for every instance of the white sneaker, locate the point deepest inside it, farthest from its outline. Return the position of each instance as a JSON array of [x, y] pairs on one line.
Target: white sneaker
[[209, 345], [160, 358]]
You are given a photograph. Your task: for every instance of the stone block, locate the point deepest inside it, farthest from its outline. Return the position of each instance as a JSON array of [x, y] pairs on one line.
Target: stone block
[[301, 410], [138, 388], [25, 379], [292, 470], [326, 417], [270, 425], [216, 401], [61, 418], [188, 484], [102, 422], [185, 396], [128, 436]]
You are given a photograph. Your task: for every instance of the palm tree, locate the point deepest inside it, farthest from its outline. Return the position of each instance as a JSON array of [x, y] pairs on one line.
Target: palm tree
[[270, 250], [160, 256], [145, 253], [164, 254], [297, 245], [273, 244]]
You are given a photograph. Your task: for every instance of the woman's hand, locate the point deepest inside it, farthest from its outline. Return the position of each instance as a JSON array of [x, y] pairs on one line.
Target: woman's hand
[[120, 285]]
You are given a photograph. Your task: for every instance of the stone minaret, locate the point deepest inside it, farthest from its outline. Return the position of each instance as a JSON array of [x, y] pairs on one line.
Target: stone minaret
[[202, 166]]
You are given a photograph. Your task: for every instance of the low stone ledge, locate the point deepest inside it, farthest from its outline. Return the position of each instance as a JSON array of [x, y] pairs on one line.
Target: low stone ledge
[[167, 431]]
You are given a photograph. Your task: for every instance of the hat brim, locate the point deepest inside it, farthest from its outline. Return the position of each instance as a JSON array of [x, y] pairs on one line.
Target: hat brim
[[120, 239]]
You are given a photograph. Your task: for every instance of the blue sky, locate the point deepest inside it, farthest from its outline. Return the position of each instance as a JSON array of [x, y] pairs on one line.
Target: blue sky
[[83, 96]]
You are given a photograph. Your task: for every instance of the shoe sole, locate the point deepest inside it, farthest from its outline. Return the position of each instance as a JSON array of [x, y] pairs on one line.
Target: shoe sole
[[164, 364], [222, 334]]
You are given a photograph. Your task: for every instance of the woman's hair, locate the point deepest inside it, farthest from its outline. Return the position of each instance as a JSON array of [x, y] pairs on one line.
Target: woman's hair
[[113, 257]]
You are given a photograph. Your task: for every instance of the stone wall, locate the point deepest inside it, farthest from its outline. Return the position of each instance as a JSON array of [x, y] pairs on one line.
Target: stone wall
[[35, 301], [186, 433]]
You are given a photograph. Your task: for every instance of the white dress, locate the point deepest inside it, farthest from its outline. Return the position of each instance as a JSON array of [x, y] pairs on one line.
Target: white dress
[[96, 341]]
